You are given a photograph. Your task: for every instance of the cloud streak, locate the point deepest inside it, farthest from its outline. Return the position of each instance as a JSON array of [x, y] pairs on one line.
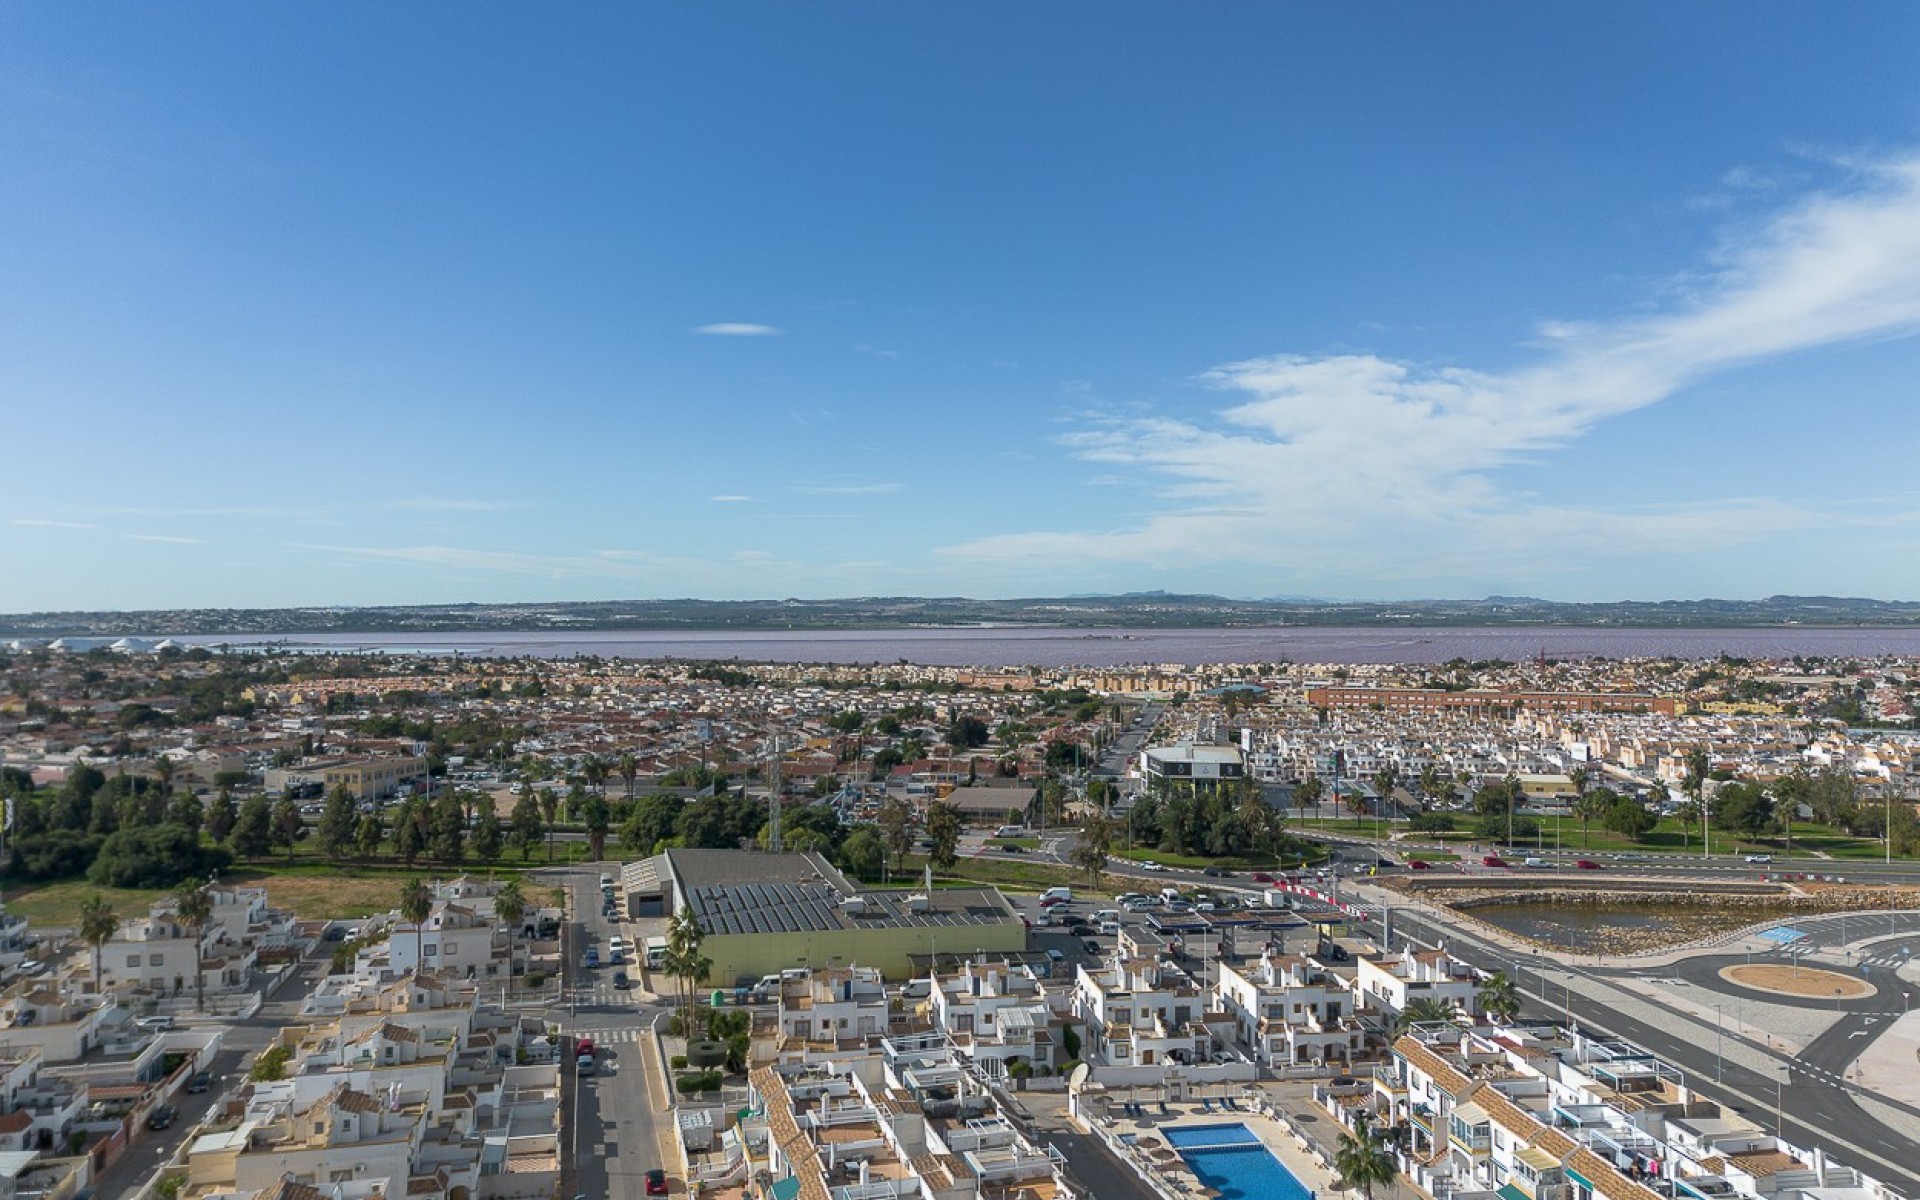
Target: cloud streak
[[1363, 463], [737, 329]]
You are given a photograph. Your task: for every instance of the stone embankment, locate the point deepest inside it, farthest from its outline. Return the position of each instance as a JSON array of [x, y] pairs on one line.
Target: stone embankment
[[1688, 915]]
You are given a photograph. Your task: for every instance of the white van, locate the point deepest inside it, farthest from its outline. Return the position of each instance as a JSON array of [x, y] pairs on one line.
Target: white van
[[1169, 894], [1006, 831], [1057, 893], [1107, 920]]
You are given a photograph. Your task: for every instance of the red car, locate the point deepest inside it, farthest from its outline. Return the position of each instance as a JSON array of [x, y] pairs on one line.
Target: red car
[[1587, 864], [1262, 877], [1493, 860], [585, 1046], [656, 1182], [1418, 864]]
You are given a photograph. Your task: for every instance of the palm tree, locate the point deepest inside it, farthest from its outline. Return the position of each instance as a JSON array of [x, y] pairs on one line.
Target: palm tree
[[416, 905], [1307, 792], [193, 903], [684, 960], [1499, 997], [1363, 1161], [510, 905], [549, 812], [1698, 764], [628, 770], [98, 924], [1423, 1011], [1431, 781]]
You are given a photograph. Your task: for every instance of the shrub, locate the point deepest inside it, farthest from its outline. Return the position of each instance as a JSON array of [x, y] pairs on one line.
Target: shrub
[[536, 979], [678, 1062], [698, 1081]]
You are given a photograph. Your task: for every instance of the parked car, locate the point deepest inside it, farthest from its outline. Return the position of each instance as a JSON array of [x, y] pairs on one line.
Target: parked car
[[1586, 864], [336, 933], [155, 1024], [621, 981], [593, 956], [162, 1117], [1091, 946], [656, 1182], [585, 1046], [1493, 860], [584, 1064], [200, 1082]]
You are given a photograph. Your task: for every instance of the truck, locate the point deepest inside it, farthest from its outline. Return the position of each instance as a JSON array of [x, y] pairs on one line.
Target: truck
[[656, 953]]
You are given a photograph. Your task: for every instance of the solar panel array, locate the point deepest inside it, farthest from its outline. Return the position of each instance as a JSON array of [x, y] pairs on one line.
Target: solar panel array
[[746, 908], [766, 908]]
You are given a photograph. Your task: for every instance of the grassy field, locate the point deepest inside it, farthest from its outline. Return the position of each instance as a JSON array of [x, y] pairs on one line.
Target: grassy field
[[307, 886]]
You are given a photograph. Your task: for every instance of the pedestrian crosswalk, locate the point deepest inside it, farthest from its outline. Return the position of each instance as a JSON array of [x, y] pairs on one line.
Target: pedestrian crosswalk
[[611, 1037]]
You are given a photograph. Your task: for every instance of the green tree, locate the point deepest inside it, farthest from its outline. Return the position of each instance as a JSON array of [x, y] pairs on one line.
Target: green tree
[[287, 824], [1307, 793], [416, 905], [447, 830], [336, 826], [487, 834], [863, 854], [1591, 806], [1363, 1160], [221, 816], [154, 856], [943, 830], [253, 828], [98, 924], [524, 825], [550, 815], [368, 835], [1423, 1011], [1499, 997], [684, 962], [1628, 817], [186, 811], [271, 1065], [1744, 808], [510, 906], [898, 827], [1092, 847], [410, 832], [193, 903], [597, 818]]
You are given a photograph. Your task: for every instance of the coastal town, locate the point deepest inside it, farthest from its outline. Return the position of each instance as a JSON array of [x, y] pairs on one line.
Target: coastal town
[[287, 925]]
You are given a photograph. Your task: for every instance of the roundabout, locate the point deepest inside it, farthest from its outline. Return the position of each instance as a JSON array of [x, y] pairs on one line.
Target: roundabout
[[1807, 982]]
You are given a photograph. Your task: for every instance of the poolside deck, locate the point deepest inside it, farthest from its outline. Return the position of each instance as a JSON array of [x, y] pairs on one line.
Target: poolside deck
[[1140, 1138]]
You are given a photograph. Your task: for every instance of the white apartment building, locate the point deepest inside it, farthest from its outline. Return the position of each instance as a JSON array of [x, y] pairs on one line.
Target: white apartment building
[[1290, 1011], [1141, 1012], [1388, 983], [997, 1014]]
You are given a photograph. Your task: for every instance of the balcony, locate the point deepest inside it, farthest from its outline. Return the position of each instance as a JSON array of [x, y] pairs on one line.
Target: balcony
[[1389, 1078]]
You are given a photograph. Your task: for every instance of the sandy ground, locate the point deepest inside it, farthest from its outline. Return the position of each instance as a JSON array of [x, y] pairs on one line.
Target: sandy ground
[[1786, 980]]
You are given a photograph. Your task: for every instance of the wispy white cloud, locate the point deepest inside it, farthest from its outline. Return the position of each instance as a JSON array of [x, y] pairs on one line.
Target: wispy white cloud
[[451, 504], [731, 498], [42, 523], [1359, 461], [168, 538], [876, 351], [851, 489], [737, 329]]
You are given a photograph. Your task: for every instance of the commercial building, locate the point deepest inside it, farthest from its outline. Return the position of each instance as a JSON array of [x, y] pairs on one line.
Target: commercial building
[[1197, 767], [765, 913]]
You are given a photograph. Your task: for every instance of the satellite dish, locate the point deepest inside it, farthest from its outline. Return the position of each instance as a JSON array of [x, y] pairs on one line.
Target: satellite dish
[[1077, 1078]]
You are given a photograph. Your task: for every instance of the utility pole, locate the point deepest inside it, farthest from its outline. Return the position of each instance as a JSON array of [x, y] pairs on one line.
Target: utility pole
[[773, 800]]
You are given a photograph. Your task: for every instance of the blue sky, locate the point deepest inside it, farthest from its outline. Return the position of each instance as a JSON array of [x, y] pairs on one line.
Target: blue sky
[[367, 304]]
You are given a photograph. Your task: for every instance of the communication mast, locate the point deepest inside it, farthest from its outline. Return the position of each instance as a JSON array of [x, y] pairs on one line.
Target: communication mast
[[773, 800]]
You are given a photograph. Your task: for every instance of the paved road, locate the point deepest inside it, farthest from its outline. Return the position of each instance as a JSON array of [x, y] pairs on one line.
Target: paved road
[[613, 1122], [1808, 1102], [244, 1039]]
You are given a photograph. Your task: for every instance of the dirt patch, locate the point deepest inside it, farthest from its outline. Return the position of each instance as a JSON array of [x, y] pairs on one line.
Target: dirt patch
[[1797, 981]]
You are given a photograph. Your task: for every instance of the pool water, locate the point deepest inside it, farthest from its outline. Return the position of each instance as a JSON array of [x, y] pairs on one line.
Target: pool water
[[1231, 1159]]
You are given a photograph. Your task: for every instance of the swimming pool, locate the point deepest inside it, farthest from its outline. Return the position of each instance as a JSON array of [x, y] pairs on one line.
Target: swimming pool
[[1231, 1159]]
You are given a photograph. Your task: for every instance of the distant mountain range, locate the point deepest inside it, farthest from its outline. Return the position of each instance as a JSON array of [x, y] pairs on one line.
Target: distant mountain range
[[1141, 610]]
